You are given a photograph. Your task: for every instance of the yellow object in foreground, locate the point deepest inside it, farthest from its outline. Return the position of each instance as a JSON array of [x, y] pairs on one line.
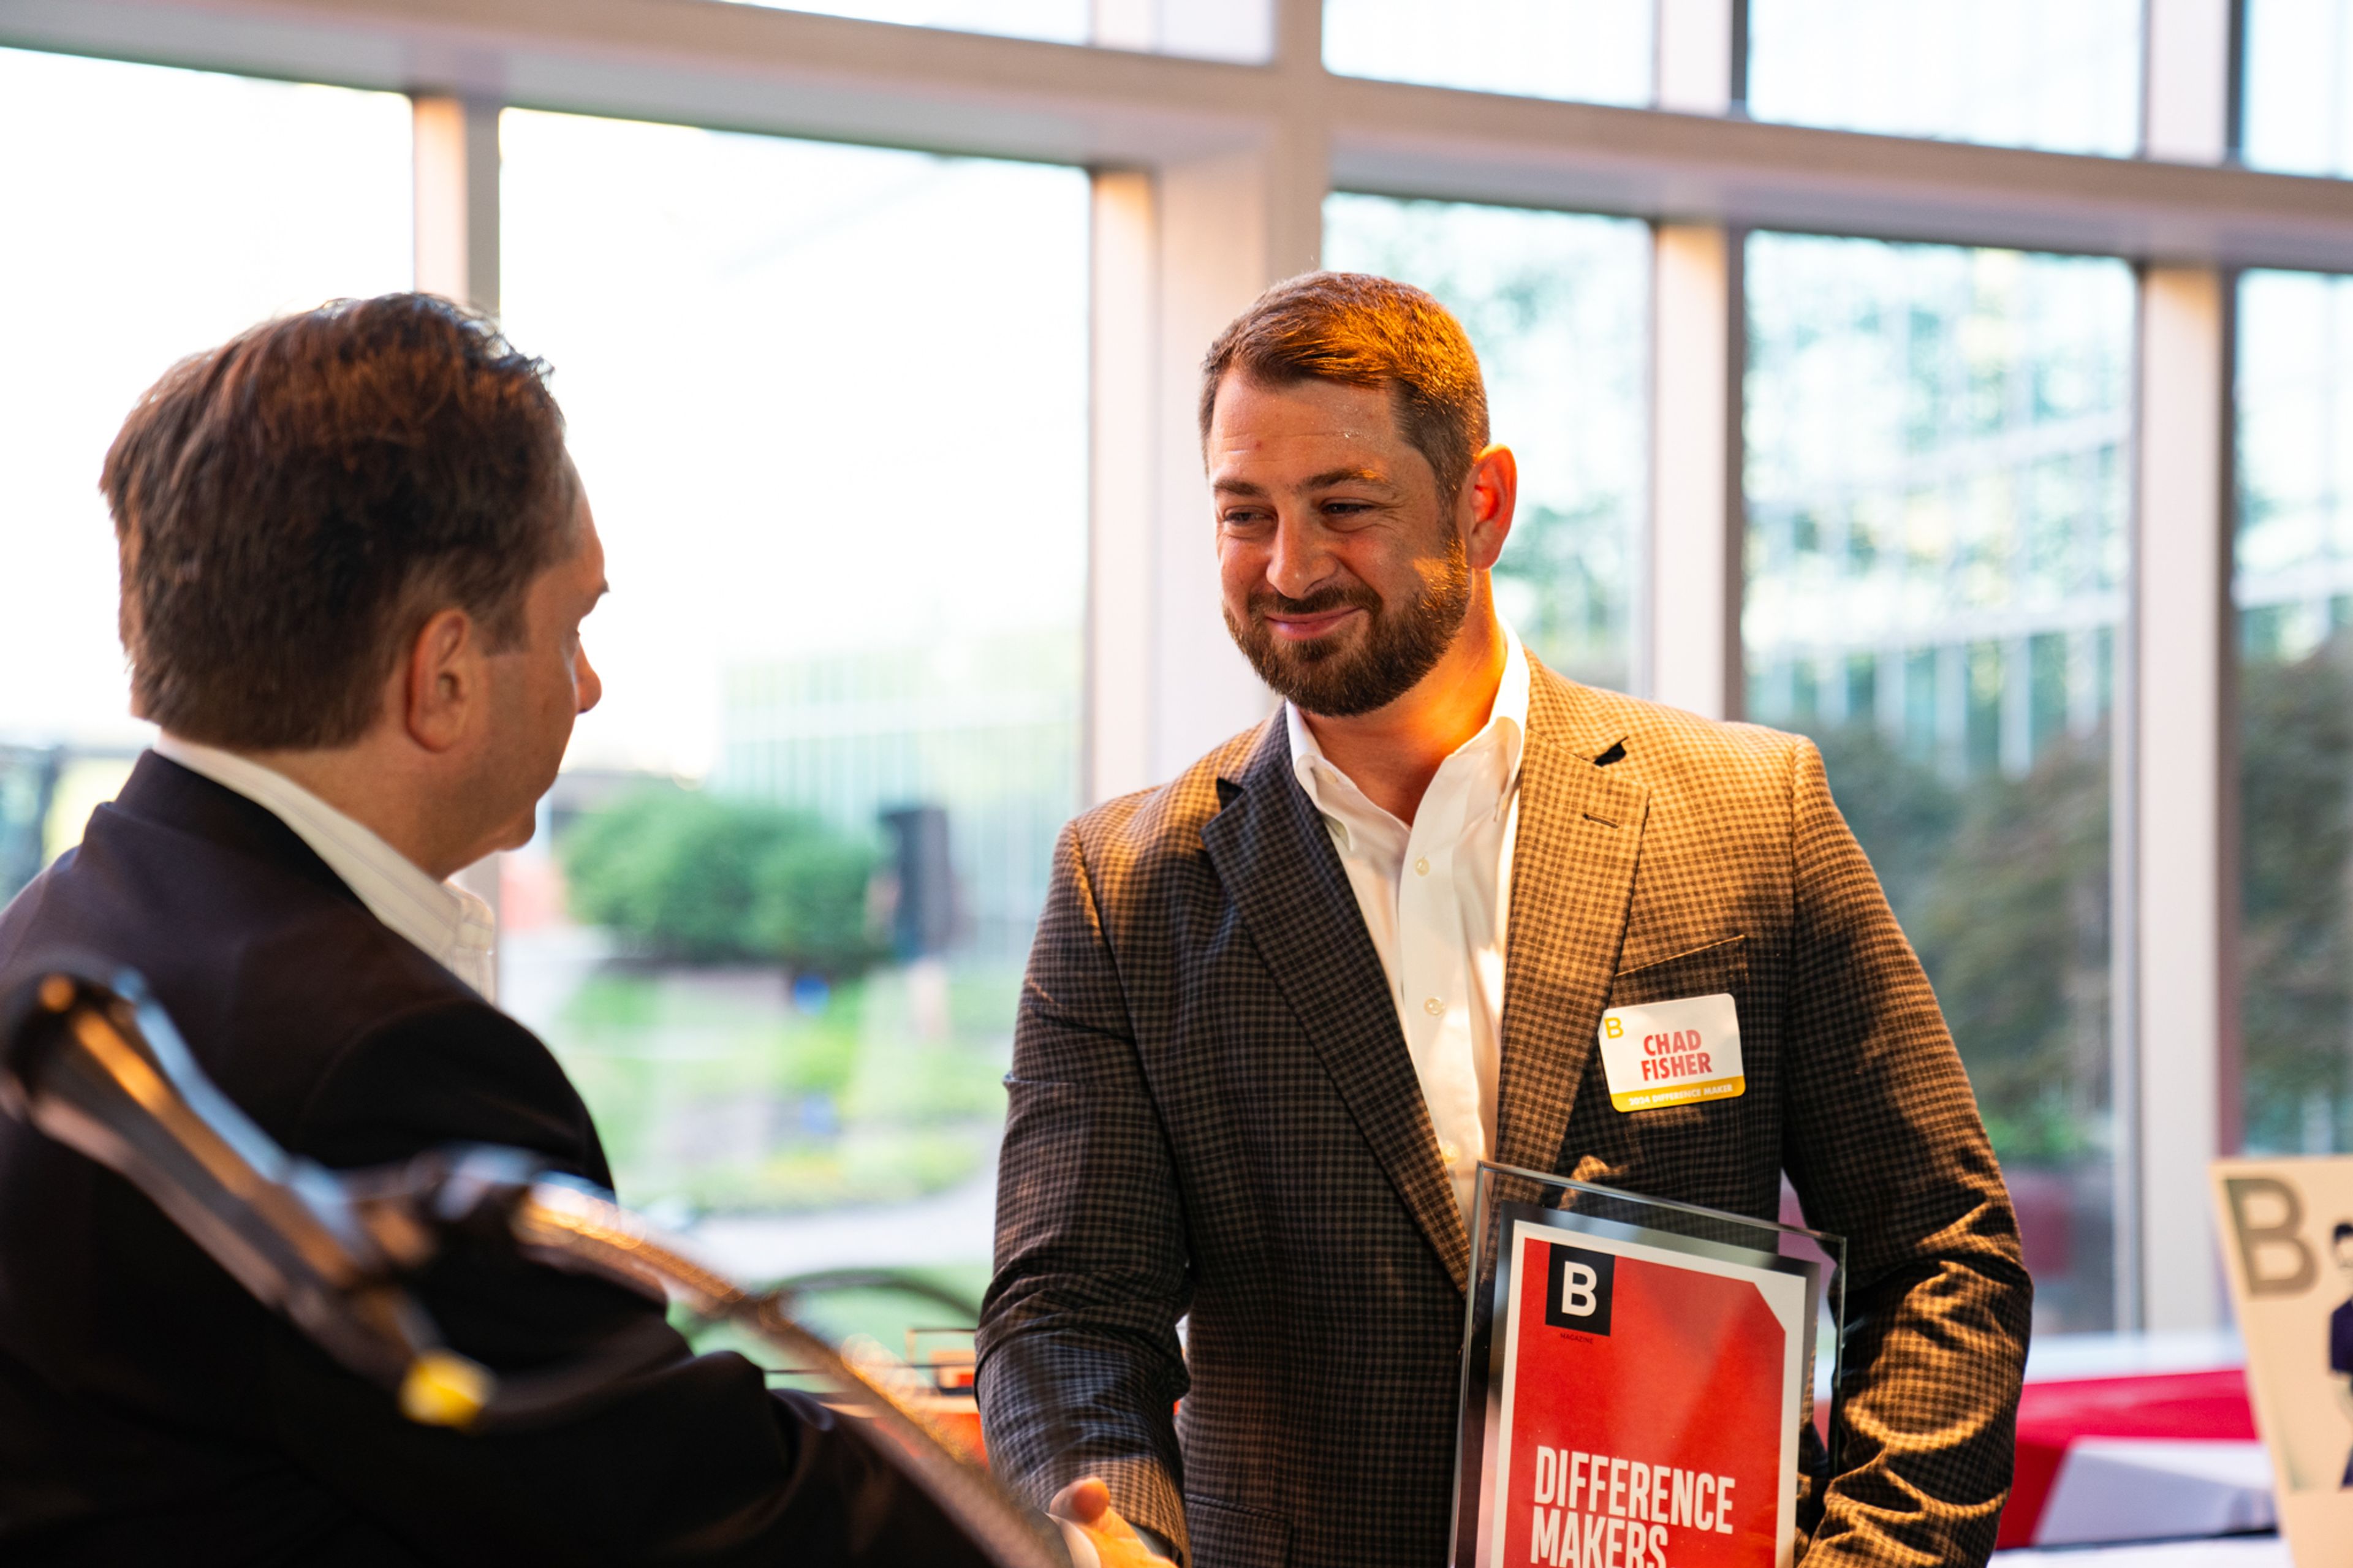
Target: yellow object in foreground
[[444, 1389]]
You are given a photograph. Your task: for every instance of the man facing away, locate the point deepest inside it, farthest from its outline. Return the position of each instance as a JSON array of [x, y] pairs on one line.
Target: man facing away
[[1280, 1008], [355, 559]]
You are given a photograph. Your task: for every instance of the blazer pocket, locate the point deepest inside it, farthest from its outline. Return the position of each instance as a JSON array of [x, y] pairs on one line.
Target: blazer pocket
[[1721, 968], [1226, 1536]]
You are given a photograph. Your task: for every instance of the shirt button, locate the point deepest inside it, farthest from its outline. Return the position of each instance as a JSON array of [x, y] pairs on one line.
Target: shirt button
[[1448, 1151], [1421, 867], [1432, 1005]]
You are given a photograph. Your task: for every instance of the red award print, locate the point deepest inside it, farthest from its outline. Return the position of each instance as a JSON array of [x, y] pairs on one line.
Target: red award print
[[1650, 1408]]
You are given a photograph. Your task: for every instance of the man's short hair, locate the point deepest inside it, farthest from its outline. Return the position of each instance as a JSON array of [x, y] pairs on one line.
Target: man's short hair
[[1363, 330], [291, 508]]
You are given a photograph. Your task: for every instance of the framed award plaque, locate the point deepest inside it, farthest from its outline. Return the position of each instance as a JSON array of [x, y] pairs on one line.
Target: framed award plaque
[[1637, 1376]]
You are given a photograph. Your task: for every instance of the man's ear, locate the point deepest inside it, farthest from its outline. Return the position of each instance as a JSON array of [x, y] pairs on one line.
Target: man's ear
[[443, 689], [1490, 492]]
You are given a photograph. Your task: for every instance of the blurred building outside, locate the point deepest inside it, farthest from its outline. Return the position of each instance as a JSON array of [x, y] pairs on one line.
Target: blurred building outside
[[46, 793], [1939, 452], [747, 1100]]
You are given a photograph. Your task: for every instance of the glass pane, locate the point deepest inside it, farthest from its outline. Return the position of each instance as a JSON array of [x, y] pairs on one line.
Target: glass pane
[[2295, 592], [830, 406], [1937, 478], [1241, 30], [1595, 51], [164, 211], [1056, 21], [1556, 303], [2299, 60], [2018, 73]]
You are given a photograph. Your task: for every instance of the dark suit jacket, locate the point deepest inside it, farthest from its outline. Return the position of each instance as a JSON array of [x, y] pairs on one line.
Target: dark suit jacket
[[1213, 1111], [151, 1411]]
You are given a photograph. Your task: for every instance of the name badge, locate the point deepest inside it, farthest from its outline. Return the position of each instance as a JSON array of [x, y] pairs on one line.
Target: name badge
[[1670, 1053]]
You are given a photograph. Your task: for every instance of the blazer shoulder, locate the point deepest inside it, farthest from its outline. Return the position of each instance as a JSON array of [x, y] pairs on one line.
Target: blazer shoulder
[[1163, 822], [304, 1008], [1671, 749], [448, 1069]]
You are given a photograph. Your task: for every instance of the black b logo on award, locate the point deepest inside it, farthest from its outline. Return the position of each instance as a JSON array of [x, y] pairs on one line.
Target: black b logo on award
[[1577, 1289]]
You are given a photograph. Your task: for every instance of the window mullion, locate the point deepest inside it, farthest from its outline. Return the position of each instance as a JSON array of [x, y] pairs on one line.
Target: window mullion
[[456, 212], [2177, 750], [2176, 939]]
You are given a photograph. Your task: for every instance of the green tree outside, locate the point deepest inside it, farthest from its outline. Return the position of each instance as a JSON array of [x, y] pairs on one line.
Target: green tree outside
[[2002, 886], [684, 877], [2295, 943]]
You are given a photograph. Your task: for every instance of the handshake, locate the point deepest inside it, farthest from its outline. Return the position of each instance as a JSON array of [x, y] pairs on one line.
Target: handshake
[[1091, 1524]]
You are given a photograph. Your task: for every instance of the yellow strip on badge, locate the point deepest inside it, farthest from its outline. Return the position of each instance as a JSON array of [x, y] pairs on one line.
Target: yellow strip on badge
[[1672, 1053]]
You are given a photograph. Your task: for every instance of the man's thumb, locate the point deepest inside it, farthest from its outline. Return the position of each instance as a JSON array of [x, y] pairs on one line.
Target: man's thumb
[[1083, 1501]]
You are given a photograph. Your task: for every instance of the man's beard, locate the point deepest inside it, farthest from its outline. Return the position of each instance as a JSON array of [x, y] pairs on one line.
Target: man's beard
[[1401, 642]]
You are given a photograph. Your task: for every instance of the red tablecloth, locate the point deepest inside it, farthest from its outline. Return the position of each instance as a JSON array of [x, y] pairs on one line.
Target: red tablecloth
[[2210, 1406]]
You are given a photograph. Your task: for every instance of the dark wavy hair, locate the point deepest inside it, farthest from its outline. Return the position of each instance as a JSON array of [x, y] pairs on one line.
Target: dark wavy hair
[[291, 507], [1364, 331]]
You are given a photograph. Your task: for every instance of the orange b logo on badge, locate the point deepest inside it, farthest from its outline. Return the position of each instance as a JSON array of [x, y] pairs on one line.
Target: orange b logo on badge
[[1614, 1027]]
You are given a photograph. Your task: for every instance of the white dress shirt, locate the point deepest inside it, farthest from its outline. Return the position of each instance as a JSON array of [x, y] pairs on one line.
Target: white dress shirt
[[453, 927], [1435, 897]]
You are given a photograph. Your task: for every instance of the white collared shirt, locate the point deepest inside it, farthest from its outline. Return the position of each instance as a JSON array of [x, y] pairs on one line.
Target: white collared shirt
[[1435, 897], [454, 927]]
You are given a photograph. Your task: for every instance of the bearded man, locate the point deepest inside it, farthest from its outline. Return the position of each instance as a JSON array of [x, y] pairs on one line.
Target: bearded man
[[1280, 1008]]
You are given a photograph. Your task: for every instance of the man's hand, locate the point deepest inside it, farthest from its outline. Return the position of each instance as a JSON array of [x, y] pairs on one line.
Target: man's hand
[[1084, 1508]]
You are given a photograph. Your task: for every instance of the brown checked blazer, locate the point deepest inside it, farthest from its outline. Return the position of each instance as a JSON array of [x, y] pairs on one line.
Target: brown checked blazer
[[1213, 1116]]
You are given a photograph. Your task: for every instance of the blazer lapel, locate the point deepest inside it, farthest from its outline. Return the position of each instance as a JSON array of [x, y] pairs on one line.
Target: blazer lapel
[[1275, 858], [1580, 833]]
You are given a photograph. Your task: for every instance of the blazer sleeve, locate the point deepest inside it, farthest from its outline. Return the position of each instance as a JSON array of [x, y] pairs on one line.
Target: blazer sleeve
[[1080, 1368], [693, 1461], [1884, 1147]]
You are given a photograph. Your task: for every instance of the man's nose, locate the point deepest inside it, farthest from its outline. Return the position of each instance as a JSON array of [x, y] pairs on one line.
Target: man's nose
[[1298, 561], [587, 685]]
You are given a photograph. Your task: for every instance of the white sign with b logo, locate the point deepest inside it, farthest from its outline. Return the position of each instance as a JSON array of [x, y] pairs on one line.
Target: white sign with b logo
[[2287, 1240]]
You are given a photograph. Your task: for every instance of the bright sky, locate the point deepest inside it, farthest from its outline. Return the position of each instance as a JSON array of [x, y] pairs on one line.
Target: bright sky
[[151, 214], [2062, 76], [2299, 63], [822, 396], [1056, 21], [1592, 50]]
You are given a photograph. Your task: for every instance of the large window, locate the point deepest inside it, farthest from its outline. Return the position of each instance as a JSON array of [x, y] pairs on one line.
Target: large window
[[1936, 480], [829, 405], [163, 211], [2024, 73], [1555, 304], [1598, 51], [2294, 593]]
